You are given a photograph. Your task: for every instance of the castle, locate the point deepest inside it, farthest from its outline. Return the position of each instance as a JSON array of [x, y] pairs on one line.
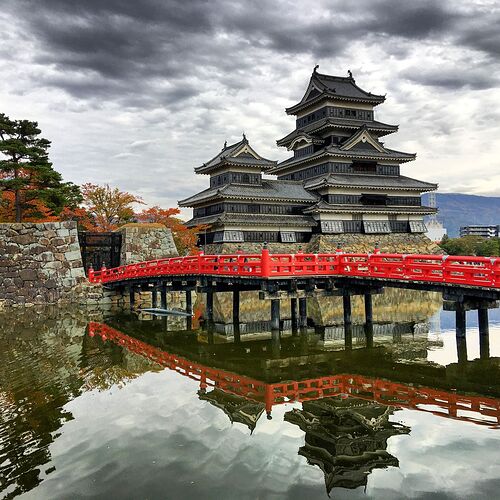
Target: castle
[[341, 186]]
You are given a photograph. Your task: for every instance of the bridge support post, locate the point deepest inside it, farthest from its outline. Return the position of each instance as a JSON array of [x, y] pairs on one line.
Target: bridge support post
[[210, 305], [154, 298], [462, 349], [368, 308], [346, 299], [484, 333], [236, 312], [131, 292], [368, 327], [163, 296], [275, 315], [460, 320], [189, 302], [303, 313], [293, 315]]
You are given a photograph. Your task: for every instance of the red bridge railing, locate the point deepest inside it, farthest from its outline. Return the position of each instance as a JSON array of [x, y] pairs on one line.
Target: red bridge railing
[[463, 270], [471, 408]]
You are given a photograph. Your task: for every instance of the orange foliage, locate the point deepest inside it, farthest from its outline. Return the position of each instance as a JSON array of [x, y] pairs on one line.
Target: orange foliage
[[35, 211], [108, 207], [81, 216]]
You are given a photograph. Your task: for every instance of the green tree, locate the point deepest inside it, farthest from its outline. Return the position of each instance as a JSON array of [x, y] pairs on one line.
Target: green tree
[[488, 247], [26, 172]]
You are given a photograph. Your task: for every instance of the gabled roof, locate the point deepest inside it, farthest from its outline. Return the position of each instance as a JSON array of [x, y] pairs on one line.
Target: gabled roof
[[333, 87], [362, 136], [271, 190], [342, 123], [369, 181], [240, 153]]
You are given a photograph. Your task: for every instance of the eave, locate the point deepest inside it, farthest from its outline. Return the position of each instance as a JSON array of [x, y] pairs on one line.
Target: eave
[[324, 207], [348, 154], [330, 123]]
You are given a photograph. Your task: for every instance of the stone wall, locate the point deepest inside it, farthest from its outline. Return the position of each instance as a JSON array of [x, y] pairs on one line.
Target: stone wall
[[363, 243], [146, 242], [39, 263], [322, 243]]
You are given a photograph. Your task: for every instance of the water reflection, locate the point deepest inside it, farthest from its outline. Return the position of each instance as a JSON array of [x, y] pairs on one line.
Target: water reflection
[[351, 406]]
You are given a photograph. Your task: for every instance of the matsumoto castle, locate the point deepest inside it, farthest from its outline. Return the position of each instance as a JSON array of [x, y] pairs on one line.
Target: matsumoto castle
[[341, 186]]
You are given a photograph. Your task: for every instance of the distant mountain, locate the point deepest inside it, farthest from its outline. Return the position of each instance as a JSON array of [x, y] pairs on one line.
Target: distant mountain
[[456, 209]]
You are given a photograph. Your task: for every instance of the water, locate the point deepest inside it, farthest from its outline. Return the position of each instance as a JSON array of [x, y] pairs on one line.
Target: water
[[154, 411]]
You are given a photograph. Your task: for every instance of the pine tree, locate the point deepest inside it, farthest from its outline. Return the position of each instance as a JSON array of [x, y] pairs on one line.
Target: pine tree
[[27, 173]]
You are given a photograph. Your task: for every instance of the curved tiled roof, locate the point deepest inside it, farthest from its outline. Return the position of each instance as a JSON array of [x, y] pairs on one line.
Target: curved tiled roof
[[254, 219], [372, 126], [333, 87], [369, 181], [268, 190], [323, 206], [228, 155], [335, 151]]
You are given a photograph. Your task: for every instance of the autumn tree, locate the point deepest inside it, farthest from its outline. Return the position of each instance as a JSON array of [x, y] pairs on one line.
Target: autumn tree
[[30, 188], [108, 207], [185, 237]]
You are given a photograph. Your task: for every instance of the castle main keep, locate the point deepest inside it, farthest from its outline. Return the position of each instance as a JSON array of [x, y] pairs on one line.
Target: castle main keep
[[341, 184]]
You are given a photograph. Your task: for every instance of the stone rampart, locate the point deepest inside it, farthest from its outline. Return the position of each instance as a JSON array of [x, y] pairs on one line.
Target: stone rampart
[[353, 243], [39, 263], [146, 242]]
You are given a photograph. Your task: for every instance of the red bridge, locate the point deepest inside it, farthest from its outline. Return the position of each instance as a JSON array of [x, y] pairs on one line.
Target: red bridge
[[451, 270], [471, 408]]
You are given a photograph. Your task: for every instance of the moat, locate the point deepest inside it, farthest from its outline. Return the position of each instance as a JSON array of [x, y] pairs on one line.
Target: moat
[[120, 405]]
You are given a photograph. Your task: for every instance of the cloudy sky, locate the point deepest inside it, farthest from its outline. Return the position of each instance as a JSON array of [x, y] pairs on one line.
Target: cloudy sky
[[139, 93]]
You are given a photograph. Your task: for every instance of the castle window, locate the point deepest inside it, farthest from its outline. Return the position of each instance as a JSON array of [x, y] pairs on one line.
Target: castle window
[[364, 167], [332, 226], [417, 226], [376, 226], [287, 237]]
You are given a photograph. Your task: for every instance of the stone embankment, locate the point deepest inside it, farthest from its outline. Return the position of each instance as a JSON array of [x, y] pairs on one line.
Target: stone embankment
[[142, 242], [41, 263], [352, 243]]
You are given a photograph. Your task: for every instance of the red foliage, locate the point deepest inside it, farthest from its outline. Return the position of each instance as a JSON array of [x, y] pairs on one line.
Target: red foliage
[[81, 216], [35, 211]]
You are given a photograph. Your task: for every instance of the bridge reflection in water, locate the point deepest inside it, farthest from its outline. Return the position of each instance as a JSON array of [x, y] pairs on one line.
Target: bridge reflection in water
[[348, 396]]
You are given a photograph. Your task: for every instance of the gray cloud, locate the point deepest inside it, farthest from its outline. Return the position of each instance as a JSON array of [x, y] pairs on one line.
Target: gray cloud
[[156, 86], [119, 50]]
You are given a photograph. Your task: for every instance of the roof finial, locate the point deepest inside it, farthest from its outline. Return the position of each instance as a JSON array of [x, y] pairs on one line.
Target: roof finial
[[349, 72], [225, 144], [315, 68], [244, 137]]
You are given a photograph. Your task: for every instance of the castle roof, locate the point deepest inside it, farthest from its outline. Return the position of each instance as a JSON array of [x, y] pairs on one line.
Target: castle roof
[[270, 189], [239, 153], [341, 123], [281, 221], [369, 181], [323, 86], [323, 206]]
